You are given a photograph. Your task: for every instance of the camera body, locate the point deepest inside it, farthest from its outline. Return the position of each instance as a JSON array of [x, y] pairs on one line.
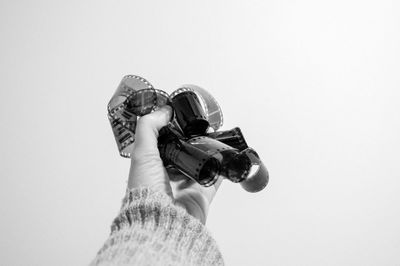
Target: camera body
[[186, 142]]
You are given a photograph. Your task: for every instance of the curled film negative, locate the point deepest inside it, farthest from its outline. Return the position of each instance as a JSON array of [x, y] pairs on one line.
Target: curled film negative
[[134, 97], [195, 163], [233, 137], [229, 166], [127, 87], [184, 144], [258, 176], [205, 159], [210, 106], [189, 113]]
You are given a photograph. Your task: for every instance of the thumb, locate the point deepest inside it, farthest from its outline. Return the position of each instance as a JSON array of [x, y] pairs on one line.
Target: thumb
[[147, 169], [147, 130]]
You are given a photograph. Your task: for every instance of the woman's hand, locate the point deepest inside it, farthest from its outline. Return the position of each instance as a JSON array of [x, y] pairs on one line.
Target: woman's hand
[[147, 169]]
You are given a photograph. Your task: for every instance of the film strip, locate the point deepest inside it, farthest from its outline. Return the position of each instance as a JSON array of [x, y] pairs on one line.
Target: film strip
[[135, 97], [210, 105], [186, 143]]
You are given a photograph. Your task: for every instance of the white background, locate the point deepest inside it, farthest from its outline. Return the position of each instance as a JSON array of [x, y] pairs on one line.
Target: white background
[[314, 85]]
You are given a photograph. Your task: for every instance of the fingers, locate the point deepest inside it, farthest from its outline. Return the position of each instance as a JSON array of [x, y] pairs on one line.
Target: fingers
[[189, 194], [180, 182]]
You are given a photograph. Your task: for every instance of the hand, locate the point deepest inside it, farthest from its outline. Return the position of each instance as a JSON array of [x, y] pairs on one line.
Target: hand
[[147, 169]]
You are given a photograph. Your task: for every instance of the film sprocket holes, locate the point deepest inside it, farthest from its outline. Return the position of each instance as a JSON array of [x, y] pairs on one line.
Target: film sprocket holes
[[186, 143]]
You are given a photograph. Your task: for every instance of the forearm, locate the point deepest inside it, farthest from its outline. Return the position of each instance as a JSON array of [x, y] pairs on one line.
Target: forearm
[[151, 230]]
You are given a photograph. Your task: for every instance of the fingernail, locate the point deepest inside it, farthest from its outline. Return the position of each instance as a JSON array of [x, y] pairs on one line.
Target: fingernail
[[167, 109]]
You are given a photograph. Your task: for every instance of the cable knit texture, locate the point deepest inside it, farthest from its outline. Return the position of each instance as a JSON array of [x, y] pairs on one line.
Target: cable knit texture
[[151, 230]]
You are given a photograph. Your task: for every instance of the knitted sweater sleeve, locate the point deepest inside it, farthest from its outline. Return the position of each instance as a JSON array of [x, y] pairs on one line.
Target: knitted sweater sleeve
[[151, 230]]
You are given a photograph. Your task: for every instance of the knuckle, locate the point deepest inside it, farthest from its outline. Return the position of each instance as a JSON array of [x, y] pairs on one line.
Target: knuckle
[[144, 156], [146, 120]]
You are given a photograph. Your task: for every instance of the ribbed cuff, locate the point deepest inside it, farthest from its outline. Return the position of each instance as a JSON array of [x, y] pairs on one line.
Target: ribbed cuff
[[151, 230]]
